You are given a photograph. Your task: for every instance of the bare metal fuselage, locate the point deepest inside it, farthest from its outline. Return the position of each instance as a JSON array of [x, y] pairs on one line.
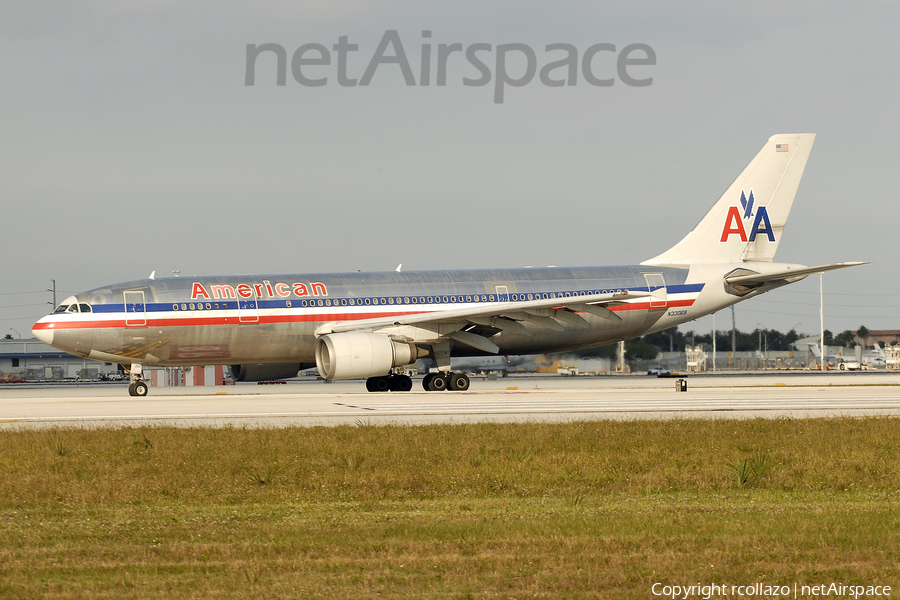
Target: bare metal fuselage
[[273, 318]]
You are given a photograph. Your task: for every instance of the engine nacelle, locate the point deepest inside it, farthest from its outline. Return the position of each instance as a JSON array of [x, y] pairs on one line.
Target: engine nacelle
[[358, 355], [264, 372]]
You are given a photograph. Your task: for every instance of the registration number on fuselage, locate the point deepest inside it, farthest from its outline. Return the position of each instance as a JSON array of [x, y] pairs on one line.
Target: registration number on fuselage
[[677, 313]]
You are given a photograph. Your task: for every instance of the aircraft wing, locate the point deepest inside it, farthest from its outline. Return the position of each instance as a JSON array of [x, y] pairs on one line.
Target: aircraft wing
[[505, 316], [787, 275]]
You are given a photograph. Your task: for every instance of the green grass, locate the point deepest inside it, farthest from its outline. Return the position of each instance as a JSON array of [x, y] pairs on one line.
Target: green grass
[[588, 509]]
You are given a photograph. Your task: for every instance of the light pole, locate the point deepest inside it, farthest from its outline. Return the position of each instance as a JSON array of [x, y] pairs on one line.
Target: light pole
[[53, 289], [17, 332], [822, 318]]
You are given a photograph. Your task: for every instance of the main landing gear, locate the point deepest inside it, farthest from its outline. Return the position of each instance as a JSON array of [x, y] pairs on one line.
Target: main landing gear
[[389, 383], [433, 382], [138, 386], [438, 382]]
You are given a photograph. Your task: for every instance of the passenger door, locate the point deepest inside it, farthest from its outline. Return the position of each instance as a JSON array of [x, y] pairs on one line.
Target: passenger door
[[135, 309]]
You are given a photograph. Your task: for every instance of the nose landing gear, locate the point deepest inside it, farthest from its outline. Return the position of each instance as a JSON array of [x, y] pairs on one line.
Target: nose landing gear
[[138, 386]]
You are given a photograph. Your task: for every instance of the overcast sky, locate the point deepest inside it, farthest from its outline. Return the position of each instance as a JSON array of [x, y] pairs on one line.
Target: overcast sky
[[130, 143]]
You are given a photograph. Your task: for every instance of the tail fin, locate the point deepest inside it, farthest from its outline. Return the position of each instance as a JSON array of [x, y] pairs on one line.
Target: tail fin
[[747, 221]]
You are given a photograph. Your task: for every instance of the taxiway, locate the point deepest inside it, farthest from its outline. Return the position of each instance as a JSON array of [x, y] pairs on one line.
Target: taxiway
[[512, 399]]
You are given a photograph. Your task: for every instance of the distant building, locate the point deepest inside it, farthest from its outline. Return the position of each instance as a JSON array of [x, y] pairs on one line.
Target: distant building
[[880, 336], [31, 360]]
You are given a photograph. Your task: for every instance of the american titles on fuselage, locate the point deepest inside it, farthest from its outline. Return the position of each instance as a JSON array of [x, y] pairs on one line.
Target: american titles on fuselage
[[256, 290]]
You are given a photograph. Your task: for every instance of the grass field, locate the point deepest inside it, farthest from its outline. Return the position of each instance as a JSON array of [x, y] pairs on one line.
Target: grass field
[[590, 509]]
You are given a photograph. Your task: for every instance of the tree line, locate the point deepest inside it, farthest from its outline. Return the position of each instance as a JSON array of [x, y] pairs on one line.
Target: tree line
[[648, 347]]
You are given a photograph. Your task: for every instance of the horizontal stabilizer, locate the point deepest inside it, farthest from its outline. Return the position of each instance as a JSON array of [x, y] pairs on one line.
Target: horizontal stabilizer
[[789, 275]]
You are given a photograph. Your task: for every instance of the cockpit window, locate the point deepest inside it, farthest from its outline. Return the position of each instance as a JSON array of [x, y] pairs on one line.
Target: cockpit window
[[85, 308], [73, 308], [61, 308]]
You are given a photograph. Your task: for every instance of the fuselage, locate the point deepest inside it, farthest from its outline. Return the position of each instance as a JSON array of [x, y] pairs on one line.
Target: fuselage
[[273, 318]]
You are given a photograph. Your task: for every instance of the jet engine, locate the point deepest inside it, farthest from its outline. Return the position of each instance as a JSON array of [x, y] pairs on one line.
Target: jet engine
[[357, 355], [264, 372]]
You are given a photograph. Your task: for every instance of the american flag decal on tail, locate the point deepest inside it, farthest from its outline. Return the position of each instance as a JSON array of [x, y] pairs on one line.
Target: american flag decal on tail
[[781, 147]]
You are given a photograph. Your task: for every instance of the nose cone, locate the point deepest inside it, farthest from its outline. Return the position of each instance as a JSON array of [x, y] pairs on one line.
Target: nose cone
[[43, 330]]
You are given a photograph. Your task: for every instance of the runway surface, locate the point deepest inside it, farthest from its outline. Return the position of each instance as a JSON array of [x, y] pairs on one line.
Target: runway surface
[[514, 399]]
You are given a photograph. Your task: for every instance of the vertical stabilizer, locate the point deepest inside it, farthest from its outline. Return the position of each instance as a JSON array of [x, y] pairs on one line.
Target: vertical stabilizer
[[747, 221]]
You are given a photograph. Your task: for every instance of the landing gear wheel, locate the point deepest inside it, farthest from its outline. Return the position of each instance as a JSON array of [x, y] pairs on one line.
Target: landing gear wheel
[[438, 383], [140, 388], [131, 389], [459, 382], [426, 382], [378, 384], [400, 383]]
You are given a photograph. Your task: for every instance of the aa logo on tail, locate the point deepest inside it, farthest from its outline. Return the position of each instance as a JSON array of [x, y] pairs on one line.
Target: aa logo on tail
[[734, 221]]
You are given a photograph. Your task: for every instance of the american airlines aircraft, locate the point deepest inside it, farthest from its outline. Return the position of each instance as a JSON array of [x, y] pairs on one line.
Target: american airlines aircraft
[[370, 325]]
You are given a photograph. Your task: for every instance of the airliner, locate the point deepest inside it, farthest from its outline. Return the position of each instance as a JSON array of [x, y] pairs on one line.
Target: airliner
[[372, 325]]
